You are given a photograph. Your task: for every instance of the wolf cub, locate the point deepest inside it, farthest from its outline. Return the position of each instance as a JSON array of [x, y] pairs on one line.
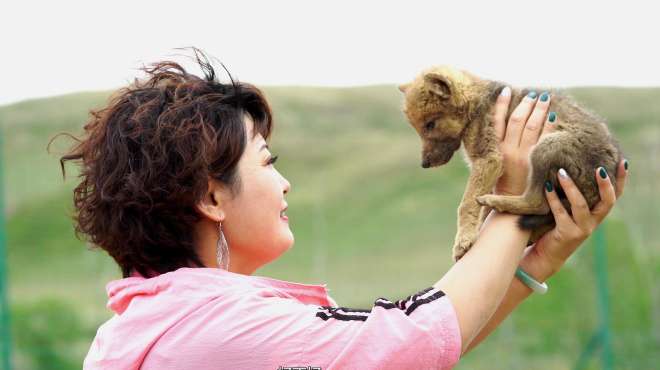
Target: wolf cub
[[447, 107]]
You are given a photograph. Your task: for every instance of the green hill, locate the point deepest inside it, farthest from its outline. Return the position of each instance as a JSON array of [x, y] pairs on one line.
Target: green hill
[[368, 221]]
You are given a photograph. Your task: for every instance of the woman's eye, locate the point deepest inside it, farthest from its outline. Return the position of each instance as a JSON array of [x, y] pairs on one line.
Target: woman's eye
[[429, 125], [272, 160]]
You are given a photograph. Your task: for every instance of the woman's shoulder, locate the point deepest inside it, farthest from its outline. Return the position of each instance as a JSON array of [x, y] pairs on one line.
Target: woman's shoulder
[[214, 282]]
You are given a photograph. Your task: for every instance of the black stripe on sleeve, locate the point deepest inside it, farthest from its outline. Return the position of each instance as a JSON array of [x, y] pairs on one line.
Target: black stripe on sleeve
[[426, 300], [408, 305], [326, 313]]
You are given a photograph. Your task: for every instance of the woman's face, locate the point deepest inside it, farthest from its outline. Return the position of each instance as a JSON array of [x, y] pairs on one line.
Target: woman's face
[[255, 232]]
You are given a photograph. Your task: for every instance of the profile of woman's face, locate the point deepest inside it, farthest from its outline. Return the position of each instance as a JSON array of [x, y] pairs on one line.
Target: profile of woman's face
[[253, 227]]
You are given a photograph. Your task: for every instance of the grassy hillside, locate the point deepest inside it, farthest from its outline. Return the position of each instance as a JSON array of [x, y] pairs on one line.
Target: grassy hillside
[[367, 219]]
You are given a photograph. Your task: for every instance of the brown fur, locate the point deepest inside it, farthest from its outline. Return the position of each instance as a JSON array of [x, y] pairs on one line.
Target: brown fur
[[447, 107]]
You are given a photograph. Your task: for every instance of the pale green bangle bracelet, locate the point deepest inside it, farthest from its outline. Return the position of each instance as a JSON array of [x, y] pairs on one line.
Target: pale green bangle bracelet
[[540, 288]]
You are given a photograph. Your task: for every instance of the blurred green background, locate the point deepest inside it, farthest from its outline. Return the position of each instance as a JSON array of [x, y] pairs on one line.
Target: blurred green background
[[367, 219]]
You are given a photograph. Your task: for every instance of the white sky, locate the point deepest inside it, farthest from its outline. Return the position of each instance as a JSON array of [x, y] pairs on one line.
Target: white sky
[[56, 47]]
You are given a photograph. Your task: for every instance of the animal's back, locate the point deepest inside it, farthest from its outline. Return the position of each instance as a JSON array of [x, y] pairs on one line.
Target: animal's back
[[580, 144]]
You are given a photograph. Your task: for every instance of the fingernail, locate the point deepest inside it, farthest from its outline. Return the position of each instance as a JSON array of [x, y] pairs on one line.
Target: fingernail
[[532, 94], [506, 91], [544, 96], [552, 117], [562, 173], [625, 164], [602, 173], [548, 186]]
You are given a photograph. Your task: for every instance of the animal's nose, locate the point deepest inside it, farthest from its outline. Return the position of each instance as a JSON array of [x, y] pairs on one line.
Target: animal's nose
[[426, 163]]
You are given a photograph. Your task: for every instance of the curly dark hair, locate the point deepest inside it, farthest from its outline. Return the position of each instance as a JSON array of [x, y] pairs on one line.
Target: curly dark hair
[[147, 156]]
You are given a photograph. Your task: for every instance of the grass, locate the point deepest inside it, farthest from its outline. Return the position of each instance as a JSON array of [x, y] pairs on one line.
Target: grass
[[367, 219]]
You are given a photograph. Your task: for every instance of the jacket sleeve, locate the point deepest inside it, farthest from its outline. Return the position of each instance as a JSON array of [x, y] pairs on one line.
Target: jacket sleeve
[[420, 332]]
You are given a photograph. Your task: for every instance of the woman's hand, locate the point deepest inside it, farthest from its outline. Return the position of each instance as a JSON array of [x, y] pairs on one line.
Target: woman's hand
[[527, 123], [544, 258], [555, 246]]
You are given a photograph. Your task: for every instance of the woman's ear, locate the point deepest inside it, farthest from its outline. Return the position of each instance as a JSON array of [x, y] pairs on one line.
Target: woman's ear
[[213, 203]]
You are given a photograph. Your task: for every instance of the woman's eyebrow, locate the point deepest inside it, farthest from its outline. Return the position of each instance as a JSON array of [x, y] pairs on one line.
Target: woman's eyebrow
[[264, 146]]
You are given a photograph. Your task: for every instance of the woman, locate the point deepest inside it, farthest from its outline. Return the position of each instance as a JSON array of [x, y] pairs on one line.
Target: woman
[[179, 187]]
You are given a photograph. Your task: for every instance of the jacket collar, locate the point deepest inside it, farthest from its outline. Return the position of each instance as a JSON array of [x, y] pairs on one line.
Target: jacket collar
[[215, 277]]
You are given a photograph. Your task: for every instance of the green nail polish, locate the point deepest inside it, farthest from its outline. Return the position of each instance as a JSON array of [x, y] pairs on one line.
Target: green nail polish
[[552, 116], [548, 186], [532, 94], [602, 173], [625, 164], [544, 96]]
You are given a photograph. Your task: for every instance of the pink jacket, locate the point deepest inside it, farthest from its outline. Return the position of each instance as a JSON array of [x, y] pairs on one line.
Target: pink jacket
[[207, 318]]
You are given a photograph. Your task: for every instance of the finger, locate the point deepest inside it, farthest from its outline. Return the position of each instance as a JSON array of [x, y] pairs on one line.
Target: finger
[[579, 207], [607, 195], [534, 125], [550, 125], [621, 176], [517, 121], [561, 215], [500, 111]]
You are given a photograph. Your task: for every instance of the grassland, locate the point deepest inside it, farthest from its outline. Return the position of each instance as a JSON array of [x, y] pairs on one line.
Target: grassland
[[367, 219]]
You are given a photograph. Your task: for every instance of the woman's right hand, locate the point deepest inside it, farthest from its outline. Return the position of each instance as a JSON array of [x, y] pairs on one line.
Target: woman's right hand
[[527, 123], [553, 249]]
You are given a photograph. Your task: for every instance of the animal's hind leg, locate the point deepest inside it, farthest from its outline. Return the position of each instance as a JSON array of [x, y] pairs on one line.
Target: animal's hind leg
[[526, 204], [532, 201]]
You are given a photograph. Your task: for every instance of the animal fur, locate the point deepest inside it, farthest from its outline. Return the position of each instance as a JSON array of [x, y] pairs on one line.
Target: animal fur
[[447, 107]]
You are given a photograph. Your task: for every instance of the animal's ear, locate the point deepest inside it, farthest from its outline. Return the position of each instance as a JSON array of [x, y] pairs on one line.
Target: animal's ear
[[404, 87], [438, 84]]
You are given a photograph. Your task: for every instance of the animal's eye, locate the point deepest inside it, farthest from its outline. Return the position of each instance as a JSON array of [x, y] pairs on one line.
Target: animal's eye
[[429, 125]]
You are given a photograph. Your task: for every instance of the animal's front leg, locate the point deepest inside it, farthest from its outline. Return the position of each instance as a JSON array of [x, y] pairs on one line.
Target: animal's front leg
[[482, 179], [483, 213]]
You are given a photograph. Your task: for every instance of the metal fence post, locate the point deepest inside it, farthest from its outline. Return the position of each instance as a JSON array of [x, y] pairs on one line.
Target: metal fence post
[[5, 330], [601, 337]]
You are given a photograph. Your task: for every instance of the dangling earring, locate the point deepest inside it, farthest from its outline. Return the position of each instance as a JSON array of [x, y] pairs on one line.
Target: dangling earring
[[222, 250]]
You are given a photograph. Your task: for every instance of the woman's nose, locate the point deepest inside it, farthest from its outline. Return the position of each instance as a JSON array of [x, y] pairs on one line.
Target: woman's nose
[[287, 185]]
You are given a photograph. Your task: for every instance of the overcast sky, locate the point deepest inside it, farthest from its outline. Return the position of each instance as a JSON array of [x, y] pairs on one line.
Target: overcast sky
[[57, 47]]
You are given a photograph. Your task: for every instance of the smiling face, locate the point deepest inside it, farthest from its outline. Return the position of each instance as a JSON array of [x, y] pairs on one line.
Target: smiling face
[[436, 112], [251, 221]]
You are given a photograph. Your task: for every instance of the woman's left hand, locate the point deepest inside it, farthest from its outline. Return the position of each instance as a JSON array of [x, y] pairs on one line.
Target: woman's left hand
[[555, 246]]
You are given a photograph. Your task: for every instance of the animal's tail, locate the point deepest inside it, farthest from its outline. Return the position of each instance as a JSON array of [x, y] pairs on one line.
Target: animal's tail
[[531, 222]]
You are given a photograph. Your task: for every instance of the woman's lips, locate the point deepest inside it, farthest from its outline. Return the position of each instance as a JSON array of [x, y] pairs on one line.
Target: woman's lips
[[282, 215]]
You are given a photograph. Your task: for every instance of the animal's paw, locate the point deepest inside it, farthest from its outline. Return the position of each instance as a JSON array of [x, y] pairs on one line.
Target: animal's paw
[[462, 244], [490, 200]]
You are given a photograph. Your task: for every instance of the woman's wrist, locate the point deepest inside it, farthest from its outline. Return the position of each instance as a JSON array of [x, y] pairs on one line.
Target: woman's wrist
[[536, 267]]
